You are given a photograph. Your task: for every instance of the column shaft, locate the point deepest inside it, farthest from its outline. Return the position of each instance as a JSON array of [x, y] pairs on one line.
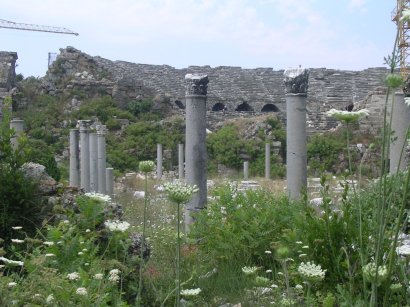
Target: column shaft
[[84, 155], [93, 163], [18, 126], [246, 170], [159, 161], [74, 180], [181, 161], [267, 160], [102, 165]]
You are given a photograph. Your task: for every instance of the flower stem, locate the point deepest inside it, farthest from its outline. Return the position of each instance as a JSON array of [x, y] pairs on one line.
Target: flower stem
[[178, 256], [143, 241]]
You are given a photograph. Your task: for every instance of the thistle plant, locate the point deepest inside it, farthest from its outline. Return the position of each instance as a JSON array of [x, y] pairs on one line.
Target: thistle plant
[[145, 167], [179, 193]]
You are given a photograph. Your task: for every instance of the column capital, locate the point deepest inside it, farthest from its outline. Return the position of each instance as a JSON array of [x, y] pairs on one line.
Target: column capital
[[84, 125], [196, 84], [101, 129], [296, 80]]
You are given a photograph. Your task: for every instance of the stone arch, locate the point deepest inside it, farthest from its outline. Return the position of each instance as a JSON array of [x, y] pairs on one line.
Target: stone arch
[[269, 107], [244, 107], [179, 104], [218, 107]]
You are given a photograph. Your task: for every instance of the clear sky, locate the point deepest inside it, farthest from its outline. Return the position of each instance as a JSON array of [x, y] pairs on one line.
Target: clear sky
[[340, 34]]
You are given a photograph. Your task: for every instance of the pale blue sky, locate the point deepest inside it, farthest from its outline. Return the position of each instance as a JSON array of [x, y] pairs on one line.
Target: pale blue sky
[[340, 34]]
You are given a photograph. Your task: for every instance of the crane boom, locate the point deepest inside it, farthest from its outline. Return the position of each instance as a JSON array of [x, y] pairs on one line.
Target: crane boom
[[32, 27]]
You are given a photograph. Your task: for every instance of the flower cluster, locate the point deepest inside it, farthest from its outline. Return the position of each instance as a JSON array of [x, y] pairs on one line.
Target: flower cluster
[[98, 276], [11, 262], [117, 225], [114, 275], [369, 272], [346, 116], [73, 276], [146, 166], [179, 192], [311, 271], [249, 270], [81, 291], [191, 292], [99, 196]]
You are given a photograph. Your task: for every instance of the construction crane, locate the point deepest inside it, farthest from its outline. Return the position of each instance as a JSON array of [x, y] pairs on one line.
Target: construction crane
[[403, 28], [32, 27]]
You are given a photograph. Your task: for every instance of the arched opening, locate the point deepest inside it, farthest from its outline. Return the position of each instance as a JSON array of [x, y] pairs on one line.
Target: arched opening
[[270, 107], [244, 107], [179, 104], [218, 107]]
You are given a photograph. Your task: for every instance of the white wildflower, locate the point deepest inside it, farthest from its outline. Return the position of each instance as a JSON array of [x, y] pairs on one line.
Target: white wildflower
[[50, 299], [11, 262], [11, 284], [274, 286], [17, 227], [48, 243], [117, 225], [81, 291], [80, 253], [114, 275], [302, 255], [191, 292], [87, 230], [179, 192], [146, 166], [311, 271], [369, 272], [268, 252], [299, 287], [268, 271], [347, 116], [249, 270], [50, 255], [73, 276], [17, 241], [299, 242], [99, 196], [305, 247], [98, 276]]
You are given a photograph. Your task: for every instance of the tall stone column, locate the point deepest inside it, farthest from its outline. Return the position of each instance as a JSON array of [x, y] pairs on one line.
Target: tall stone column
[[93, 163], [102, 164], [399, 125], [159, 161], [195, 138], [110, 180], [267, 160], [18, 126], [180, 161], [74, 158], [246, 170], [84, 155], [296, 85]]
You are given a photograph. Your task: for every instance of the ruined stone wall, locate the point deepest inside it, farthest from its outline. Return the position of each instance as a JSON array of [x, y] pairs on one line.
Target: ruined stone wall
[[7, 72]]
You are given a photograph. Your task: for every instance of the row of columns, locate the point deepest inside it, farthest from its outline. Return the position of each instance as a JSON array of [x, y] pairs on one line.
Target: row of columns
[[88, 168]]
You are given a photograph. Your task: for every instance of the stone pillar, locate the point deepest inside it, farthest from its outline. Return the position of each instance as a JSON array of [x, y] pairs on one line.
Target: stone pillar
[[102, 165], [74, 180], [18, 126], [267, 160], [159, 161], [296, 85], [93, 163], [195, 142], [246, 170], [399, 126], [110, 180], [180, 161], [84, 155]]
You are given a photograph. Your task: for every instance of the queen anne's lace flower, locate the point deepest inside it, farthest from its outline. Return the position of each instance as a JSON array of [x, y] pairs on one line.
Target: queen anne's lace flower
[[73, 276], [11, 284], [99, 196], [179, 192], [249, 270], [114, 275], [48, 243], [191, 292], [117, 225], [81, 291], [311, 271], [16, 227], [17, 241], [11, 262], [98, 276], [50, 299], [346, 116], [369, 272]]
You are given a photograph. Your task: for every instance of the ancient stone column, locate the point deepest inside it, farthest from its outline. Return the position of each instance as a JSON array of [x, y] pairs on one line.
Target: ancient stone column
[[195, 146], [18, 126], [399, 126], [159, 161], [296, 85], [74, 158], [110, 180], [246, 170], [93, 163], [180, 161], [267, 160], [102, 165], [84, 155]]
